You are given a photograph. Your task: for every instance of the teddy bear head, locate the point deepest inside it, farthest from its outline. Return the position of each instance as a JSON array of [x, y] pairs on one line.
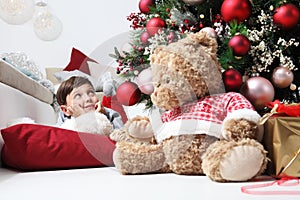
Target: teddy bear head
[[185, 71]]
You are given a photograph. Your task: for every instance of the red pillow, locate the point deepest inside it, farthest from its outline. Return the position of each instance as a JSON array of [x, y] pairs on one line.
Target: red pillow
[[39, 147], [79, 61]]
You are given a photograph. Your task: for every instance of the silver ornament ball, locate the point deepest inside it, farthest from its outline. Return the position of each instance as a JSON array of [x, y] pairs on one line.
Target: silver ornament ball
[[282, 77], [259, 91]]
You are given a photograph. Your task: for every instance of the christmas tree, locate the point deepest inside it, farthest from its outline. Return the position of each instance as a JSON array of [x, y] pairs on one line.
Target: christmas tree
[[258, 45]]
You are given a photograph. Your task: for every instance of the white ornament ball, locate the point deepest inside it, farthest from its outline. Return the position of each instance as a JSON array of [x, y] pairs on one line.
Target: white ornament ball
[[210, 31], [144, 81]]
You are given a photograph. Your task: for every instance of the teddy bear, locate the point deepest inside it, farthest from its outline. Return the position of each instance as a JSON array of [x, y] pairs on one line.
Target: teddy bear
[[199, 129]]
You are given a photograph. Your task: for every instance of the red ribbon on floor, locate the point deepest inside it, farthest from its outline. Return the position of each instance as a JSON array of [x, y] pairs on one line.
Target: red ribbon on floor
[[284, 181]]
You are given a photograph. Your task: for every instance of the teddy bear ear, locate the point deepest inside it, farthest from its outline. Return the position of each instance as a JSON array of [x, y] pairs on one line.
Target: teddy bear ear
[[208, 44]]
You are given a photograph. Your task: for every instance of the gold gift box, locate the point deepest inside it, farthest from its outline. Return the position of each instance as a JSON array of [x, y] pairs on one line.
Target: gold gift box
[[282, 141]]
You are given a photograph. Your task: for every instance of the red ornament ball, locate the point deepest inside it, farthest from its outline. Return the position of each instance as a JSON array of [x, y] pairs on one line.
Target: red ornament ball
[[286, 16], [259, 91], [154, 25], [128, 93], [232, 79], [145, 4], [240, 45], [238, 10]]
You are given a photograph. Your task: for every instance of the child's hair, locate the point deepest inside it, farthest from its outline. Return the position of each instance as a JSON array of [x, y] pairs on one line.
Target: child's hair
[[68, 85]]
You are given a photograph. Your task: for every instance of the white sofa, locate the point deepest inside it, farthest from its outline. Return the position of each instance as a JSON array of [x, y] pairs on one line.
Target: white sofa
[[102, 182]]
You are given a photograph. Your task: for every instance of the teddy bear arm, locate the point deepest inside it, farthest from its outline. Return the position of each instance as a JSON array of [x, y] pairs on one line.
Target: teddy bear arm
[[237, 129], [241, 120]]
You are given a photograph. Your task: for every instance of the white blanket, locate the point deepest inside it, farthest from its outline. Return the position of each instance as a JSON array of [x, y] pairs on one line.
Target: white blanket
[[107, 183]]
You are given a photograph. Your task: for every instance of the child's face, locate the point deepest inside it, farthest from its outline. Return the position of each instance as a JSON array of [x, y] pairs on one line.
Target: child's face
[[81, 100]]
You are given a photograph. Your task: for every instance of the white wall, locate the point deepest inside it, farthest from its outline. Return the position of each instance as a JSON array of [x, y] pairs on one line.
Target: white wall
[[87, 25]]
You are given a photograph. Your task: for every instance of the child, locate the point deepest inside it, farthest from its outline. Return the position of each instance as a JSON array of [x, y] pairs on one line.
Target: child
[[77, 97]]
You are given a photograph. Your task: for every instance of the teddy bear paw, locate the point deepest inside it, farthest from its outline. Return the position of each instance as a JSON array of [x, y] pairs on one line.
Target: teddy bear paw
[[133, 158], [234, 161], [141, 128]]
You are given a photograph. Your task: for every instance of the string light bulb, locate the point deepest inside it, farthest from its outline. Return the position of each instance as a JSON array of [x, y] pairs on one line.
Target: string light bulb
[[16, 12], [46, 26]]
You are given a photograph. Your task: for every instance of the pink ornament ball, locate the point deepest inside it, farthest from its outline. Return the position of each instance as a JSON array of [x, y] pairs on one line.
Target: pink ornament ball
[[144, 81], [259, 91], [144, 37]]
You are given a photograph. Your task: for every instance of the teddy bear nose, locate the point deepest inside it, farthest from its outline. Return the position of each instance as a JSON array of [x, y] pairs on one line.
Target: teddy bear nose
[[154, 93]]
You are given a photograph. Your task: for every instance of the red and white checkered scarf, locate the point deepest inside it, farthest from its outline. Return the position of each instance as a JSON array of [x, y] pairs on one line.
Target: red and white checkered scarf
[[205, 116], [211, 108]]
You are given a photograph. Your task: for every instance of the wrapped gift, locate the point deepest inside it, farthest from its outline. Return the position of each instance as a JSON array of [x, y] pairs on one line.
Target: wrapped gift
[[282, 140]]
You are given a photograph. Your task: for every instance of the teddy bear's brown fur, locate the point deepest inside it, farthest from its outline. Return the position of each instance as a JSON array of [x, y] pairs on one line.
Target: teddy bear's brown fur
[[204, 130]]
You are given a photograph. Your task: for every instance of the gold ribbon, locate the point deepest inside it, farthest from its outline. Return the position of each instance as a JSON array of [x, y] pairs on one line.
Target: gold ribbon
[[266, 116], [290, 163]]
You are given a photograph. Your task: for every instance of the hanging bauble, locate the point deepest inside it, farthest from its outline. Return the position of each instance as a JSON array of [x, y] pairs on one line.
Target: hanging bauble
[[16, 12], [238, 10], [144, 37], [154, 25], [232, 79], [282, 77], [144, 81], [286, 16], [194, 2], [259, 91], [240, 45], [128, 93], [145, 4], [210, 31], [46, 26]]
